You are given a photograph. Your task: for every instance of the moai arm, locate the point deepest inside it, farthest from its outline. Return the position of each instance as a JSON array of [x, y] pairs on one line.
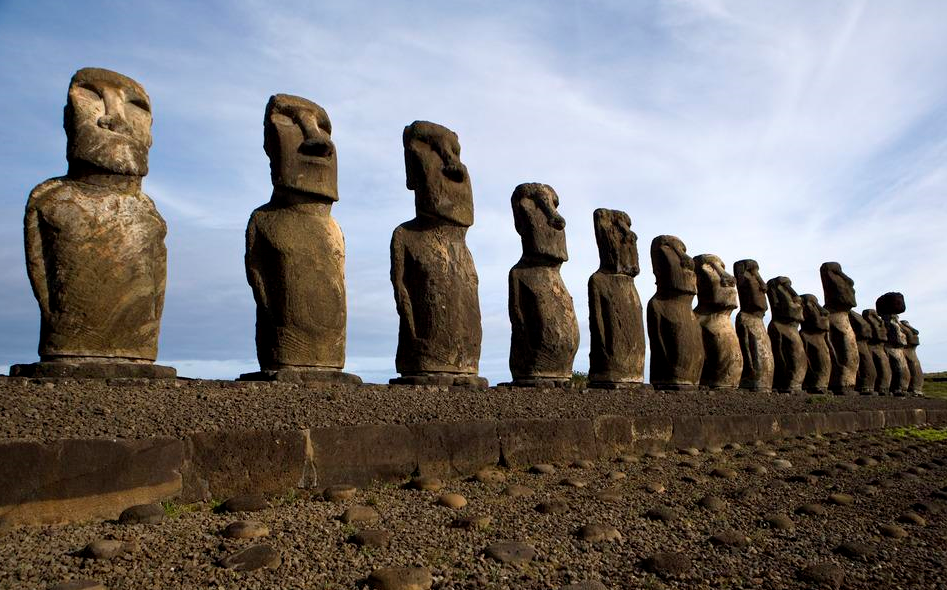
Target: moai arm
[[160, 269], [747, 344], [35, 264], [254, 261], [598, 306], [402, 298]]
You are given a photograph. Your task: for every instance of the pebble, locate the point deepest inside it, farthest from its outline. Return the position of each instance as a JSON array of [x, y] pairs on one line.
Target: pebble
[[583, 464], [142, 514], [723, 473], [252, 558], [692, 451], [892, 531], [78, 585], [517, 491], [572, 482], [662, 513], [782, 464], [806, 479], [616, 475], [855, 549], [552, 506], [107, 549], [712, 503], [866, 462], [246, 529], [841, 499], [730, 538], [779, 521], [655, 487], [543, 469], [490, 476], [359, 514], [714, 450], [757, 469], [595, 533], [867, 490], [375, 538], [750, 494], [845, 466], [766, 453], [733, 446], [401, 578], [667, 564], [811, 509], [691, 463], [655, 455], [471, 522], [426, 484], [927, 508], [510, 552], [609, 495], [244, 503], [823, 574], [455, 501], [339, 492], [910, 517], [629, 459]]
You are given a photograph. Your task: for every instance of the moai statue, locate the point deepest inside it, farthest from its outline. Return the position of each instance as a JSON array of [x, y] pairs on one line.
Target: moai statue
[[889, 306], [879, 356], [677, 351], [616, 358], [295, 257], [789, 354], [716, 300], [755, 346], [95, 251], [545, 330], [910, 355], [839, 292], [867, 375], [432, 272], [815, 338]]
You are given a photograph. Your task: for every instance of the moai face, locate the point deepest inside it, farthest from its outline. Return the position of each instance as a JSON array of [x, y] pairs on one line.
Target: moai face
[[750, 286], [890, 304], [435, 173], [716, 288], [538, 222], [910, 333], [296, 137], [838, 287], [879, 333], [860, 325], [815, 318], [673, 268], [617, 244], [786, 303], [108, 122]]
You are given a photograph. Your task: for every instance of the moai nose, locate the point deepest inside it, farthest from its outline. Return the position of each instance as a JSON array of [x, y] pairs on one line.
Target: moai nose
[[115, 123], [455, 171], [114, 117], [319, 146]]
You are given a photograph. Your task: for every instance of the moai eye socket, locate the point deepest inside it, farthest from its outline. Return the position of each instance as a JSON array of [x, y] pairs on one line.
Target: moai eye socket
[[281, 119]]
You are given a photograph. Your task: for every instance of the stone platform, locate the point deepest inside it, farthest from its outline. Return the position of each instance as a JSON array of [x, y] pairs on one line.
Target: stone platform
[[302, 375], [92, 370]]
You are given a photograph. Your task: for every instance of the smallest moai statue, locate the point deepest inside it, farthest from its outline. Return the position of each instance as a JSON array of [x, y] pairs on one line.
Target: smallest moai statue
[[910, 355], [867, 375], [839, 292], [755, 344], [716, 300], [889, 306], [789, 354], [879, 356], [616, 357], [815, 337]]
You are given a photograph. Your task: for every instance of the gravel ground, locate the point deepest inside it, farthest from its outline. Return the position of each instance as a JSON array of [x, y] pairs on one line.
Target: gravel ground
[[182, 550], [46, 411]]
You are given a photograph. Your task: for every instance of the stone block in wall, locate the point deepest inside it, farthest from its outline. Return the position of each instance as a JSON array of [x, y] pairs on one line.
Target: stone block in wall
[[455, 449], [359, 455], [525, 442]]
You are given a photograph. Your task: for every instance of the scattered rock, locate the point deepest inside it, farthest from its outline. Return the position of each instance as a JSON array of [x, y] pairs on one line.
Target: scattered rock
[[572, 482], [866, 462], [910, 517], [400, 578], [667, 564], [690, 463], [655, 487], [510, 552], [723, 473], [714, 450], [142, 514], [766, 453], [629, 459], [712, 503], [730, 538], [490, 476], [246, 529], [609, 495], [375, 538], [543, 469], [892, 531], [779, 521], [855, 549], [359, 514], [782, 464], [252, 558], [733, 446], [455, 501], [811, 509], [662, 513], [692, 451], [757, 469], [823, 574], [339, 492], [867, 490], [552, 506], [426, 484], [595, 533], [517, 491], [841, 499], [655, 454], [844, 466], [749, 494], [244, 503], [471, 522], [107, 549], [583, 464], [927, 508], [806, 479], [616, 475]]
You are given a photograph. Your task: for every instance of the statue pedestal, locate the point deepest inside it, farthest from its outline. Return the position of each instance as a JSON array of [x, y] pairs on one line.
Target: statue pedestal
[[302, 375], [93, 370], [620, 385], [545, 382], [449, 379]]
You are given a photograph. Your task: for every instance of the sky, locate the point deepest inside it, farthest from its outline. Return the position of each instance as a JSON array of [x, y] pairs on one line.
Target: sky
[[793, 133]]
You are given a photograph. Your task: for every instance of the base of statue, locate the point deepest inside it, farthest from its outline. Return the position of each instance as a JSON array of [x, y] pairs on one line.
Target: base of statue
[[791, 390], [817, 390], [869, 392], [93, 370], [543, 382], [842, 390], [302, 375], [631, 385], [754, 387], [674, 386], [448, 379]]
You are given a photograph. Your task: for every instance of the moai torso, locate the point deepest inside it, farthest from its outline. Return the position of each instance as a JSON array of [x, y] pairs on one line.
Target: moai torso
[[615, 319], [889, 306], [910, 355], [545, 331], [876, 347], [755, 345], [815, 338], [95, 251], [677, 351], [839, 291], [716, 300], [867, 375], [789, 355]]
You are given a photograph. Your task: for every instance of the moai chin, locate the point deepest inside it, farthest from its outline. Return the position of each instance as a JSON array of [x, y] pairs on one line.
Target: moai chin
[[545, 332], [879, 356], [815, 337], [95, 252], [867, 375], [716, 300], [789, 355], [839, 291], [295, 252], [677, 351], [616, 357], [889, 306], [910, 355], [755, 345], [432, 272]]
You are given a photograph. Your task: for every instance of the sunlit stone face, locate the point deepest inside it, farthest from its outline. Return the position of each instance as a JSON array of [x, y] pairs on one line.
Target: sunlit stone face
[[750, 286], [434, 172], [297, 138], [786, 303], [815, 317], [617, 243], [839, 287], [537, 221], [108, 122], [716, 288], [673, 268]]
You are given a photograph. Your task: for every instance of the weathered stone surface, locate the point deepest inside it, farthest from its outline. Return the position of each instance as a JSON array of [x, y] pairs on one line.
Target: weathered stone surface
[[677, 352], [339, 492], [876, 346], [360, 514], [755, 345], [824, 575], [432, 271], [246, 529], [510, 552], [371, 538], [789, 354], [527, 442], [78, 585], [400, 578], [596, 533], [108, 549], [95, 251], [244, 503], [142, 514], [889, 306], [361, 454], [454, 501], [667, 564], [617, 327], [455, 449], [867, 374], [716, 300], [545, 332], [252, 558], [910, 356], [815, 338], [839, 292], [92, 369], [295, 251]]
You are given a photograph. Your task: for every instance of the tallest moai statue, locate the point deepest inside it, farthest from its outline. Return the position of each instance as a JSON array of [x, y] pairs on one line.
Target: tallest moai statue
[[95, 250]]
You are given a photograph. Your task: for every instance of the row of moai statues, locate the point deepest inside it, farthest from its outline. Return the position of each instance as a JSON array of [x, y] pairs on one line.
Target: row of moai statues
[[97, 264]]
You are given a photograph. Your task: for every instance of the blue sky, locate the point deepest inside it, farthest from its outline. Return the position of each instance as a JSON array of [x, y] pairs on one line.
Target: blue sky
[[789, 132]]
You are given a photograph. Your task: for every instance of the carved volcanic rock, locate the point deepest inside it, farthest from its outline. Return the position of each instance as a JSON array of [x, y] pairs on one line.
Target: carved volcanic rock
[[867, 375], [789, 355], [910, 356], [839, 292], [755, 345], [716, 300], [879, 356], [889, 306], [815, 338]]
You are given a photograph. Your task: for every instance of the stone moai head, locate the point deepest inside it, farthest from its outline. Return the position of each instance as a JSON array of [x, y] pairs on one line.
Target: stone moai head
[[878, 331], [673, 268], [751, 287], [716, 288], [296, 137], [910, 333], [786, 303], [617, 244], [107, 119], [890, 304], [838, 288], [434, 172], [861, 327], [538, 222], [815, 318]]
